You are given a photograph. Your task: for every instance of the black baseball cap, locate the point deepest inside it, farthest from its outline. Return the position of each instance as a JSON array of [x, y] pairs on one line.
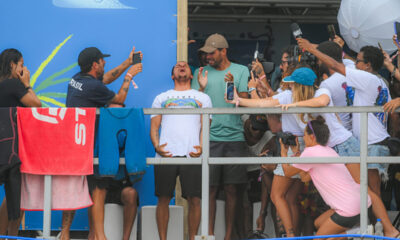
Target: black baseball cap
[[90, 55]]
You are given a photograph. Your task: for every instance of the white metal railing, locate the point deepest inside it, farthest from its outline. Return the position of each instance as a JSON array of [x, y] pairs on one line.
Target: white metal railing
[[205, 160]]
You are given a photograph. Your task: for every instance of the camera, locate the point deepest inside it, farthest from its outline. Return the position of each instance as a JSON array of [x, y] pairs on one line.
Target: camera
[[298, 55], [302, 57], [287, 138]]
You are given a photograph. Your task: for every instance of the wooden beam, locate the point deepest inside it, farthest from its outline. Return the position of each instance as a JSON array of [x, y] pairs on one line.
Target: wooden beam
[[182, 31]]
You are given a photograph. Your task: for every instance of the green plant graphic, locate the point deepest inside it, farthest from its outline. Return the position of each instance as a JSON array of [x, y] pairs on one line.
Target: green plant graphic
[[48, 99]]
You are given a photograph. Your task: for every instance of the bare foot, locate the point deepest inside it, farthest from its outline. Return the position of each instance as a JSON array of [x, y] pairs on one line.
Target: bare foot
[[260, 222]]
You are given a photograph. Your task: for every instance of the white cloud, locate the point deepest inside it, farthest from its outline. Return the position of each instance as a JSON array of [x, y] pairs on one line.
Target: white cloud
[[97, 4]]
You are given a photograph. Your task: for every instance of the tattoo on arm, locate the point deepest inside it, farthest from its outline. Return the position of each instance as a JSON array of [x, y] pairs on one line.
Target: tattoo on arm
[[126, 79], [125, 89], [115, 73]]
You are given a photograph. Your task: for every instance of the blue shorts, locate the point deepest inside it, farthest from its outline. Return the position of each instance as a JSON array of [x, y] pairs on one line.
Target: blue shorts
[[378, 151], [348, 148]]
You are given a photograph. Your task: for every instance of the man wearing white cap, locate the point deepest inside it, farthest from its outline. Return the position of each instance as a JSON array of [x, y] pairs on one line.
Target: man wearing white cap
[[226, 131]]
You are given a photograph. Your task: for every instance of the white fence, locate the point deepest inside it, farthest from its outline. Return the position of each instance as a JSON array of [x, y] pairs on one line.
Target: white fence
[[205, 160]]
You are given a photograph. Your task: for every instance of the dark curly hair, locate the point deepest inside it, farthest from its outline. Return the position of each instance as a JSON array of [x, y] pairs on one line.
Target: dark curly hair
[[374, 56], [6, 58]]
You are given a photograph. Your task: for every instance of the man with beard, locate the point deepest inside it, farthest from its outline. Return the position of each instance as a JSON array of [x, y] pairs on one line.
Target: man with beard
[[180, 136], [87, 89], [226, 131]]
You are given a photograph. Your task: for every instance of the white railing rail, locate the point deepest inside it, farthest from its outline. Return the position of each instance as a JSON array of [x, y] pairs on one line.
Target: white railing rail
[[205, 160]]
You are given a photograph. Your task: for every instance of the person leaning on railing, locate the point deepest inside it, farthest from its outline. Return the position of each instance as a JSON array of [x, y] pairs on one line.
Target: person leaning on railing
[[15, 91], [333, 181], [366, 83], [370, 90]]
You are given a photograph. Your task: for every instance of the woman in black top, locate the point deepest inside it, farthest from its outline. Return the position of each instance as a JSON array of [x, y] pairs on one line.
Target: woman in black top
[[15, 91]]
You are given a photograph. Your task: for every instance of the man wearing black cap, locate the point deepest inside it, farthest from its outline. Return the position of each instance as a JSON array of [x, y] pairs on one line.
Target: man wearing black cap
[[226, 131], [87, 89]]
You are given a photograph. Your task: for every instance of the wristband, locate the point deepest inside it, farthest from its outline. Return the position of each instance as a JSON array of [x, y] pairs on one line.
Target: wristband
[[129, 75], [262, 77], [134, 84], [251, 89], [237, 102]]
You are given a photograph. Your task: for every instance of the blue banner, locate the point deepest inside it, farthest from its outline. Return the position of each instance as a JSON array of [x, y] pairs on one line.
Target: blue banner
[[51, 33]]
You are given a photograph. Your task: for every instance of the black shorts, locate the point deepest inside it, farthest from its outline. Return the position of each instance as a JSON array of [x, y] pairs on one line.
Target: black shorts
[[114, 191], [228, 174], [98, 182], [348, 222], [165, 180]]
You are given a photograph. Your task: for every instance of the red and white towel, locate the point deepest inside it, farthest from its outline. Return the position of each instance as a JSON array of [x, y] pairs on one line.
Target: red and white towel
[[56, 141]]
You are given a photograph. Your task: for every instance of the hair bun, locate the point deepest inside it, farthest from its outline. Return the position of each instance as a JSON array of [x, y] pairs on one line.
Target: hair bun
[[320, 119]]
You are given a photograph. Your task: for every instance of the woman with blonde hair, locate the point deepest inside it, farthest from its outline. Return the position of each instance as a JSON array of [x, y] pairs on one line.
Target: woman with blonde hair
[[303, 89], [284, 190]]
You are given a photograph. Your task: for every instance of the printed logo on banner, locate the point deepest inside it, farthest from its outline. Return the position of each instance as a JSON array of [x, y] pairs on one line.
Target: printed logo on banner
[[80, 128]]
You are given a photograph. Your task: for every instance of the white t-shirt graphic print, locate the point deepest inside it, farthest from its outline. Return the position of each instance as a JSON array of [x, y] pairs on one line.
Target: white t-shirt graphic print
[[339, 92], [181, 132], [370, 90]]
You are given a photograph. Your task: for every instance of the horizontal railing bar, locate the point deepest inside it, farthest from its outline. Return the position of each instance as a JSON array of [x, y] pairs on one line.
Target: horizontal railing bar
[[275, 160], [269, 110], [173, 161], [383, 160], [254, 160], [261, 160]]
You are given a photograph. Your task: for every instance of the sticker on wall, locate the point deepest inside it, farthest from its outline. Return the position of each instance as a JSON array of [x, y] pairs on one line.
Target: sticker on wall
[[96, 4]]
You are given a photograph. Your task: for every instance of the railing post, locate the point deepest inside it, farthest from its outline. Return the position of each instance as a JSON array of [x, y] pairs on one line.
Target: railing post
[[364, 173], [205, 174], [47, 207]]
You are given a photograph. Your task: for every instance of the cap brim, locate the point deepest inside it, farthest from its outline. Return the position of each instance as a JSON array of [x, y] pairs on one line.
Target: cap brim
[[288, 79], [207, 49], [106, 55]]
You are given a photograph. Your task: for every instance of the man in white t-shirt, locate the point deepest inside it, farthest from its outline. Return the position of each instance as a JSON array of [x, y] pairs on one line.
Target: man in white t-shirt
[[180, 136], [370, 90], [336, 82]]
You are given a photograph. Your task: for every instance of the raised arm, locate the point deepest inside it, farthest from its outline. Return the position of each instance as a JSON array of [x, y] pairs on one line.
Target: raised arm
[[30, 99], [116, 72], [328, 61], [123, 91]]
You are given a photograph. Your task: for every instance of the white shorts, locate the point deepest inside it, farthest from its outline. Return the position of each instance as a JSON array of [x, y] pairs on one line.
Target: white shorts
[[279, 170]]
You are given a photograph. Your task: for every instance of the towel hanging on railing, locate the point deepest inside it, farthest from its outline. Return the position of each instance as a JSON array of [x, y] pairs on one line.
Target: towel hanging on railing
[[56, 141]]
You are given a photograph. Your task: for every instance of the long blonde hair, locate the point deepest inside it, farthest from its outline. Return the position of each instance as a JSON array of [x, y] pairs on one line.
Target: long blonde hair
[[301, 93]]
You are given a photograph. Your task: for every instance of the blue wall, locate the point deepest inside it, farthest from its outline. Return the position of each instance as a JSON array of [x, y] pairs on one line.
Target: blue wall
[[51, 33]]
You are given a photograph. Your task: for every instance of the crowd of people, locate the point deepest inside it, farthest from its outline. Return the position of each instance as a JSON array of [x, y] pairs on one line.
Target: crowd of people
[[312, 75]]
